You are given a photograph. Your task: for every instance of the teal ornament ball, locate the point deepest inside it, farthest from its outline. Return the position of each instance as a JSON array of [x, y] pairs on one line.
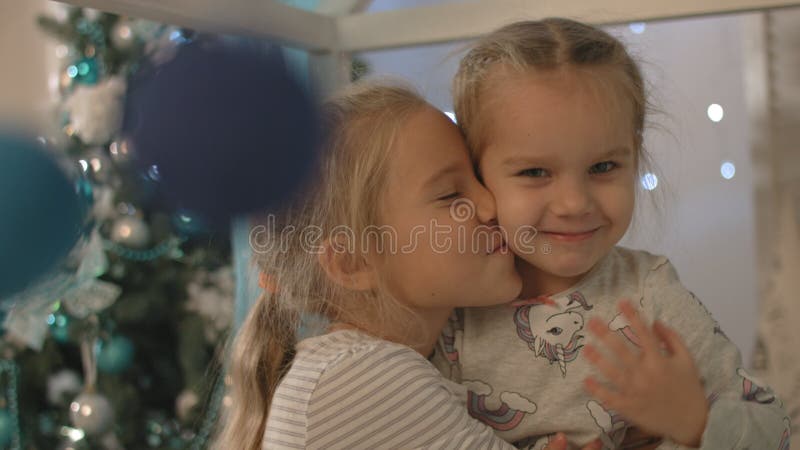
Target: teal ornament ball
[[42, 214], [6, 428], [116, 355], [59, 327], [85, 71]]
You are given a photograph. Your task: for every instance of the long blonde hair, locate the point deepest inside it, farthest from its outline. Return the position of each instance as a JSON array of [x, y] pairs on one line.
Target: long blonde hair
[[359, 127]]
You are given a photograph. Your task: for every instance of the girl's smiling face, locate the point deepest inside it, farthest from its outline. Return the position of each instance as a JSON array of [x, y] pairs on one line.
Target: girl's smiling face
[[449, 249], [560, 158]]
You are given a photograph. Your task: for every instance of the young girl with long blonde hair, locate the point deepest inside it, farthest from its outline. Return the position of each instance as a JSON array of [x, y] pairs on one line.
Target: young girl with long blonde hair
[[365, 248]]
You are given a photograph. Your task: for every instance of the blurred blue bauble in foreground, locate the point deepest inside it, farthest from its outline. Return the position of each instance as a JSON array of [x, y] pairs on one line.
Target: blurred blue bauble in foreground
[[42, 214], [227, 126]]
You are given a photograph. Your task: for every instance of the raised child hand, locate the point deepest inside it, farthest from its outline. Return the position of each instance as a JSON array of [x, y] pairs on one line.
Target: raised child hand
[[657, 388]]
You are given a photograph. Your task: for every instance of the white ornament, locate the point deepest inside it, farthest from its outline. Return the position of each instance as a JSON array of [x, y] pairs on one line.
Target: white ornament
[[96, 111], [130, 231], [92, 413], [60, 11], [91, 14], [103, 208], [91, 297], [211, 297], [64, 383], [184, 404]]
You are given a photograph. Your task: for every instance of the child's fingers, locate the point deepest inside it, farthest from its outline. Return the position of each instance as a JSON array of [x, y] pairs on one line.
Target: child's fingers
[[604, 366], [596, 444], [612, 342], [559, 442], [607, 397], [646, 339], [671, 339]]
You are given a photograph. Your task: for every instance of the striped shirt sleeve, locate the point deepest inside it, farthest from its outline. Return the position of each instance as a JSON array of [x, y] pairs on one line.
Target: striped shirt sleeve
[[388, 396]]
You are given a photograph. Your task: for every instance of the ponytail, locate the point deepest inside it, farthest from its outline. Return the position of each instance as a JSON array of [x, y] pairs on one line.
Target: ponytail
[[262, 353]]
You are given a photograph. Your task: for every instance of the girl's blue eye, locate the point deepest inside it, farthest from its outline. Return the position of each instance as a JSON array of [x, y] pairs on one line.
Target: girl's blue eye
[[536, 172], [603, 167]]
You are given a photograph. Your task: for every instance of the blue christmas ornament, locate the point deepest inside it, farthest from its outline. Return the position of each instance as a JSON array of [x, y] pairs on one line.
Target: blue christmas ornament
[[6, 428], [230, 130], [115, 356], [42, 213]]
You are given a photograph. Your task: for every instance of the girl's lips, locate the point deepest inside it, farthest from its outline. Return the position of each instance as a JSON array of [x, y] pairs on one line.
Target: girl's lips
[[501, 247], [570, 237]]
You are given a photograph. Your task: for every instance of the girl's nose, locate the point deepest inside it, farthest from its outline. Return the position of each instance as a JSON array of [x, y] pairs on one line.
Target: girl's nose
[[485, 207], [571, 198]]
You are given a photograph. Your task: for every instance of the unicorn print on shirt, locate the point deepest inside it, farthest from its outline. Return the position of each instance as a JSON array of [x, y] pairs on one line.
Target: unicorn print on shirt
[[620, 323], [501, 415], [786, 436], [752, 390], [612, 427], [551, 326]]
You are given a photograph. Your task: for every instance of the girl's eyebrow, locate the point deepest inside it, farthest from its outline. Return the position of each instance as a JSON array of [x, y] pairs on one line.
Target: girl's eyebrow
[[520, 160], [452, 168], [516, 160], [619, 152]]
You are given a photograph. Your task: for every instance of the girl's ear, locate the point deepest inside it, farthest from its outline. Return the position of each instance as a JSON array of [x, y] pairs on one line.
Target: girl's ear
[[348, 270]]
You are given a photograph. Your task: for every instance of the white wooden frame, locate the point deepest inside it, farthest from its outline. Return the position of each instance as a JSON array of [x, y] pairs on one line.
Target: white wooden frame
[[322, 31], [340, 27]]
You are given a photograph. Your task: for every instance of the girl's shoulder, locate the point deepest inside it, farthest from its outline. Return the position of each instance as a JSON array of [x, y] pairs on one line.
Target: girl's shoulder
[[623, 258], [339, 350], [625, 266]]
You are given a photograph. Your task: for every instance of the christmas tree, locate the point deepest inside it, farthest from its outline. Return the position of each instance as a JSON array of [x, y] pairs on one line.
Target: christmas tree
[[122, 349]]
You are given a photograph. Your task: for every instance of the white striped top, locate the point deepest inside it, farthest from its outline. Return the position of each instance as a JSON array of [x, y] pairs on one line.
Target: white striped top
[[348, 390]]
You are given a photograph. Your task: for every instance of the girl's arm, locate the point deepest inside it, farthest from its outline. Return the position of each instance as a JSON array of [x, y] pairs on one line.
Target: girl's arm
[[389, 396]]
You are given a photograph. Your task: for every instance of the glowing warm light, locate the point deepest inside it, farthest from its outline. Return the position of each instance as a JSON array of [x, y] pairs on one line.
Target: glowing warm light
[[124, 32], [125, 231], [96, 164]]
